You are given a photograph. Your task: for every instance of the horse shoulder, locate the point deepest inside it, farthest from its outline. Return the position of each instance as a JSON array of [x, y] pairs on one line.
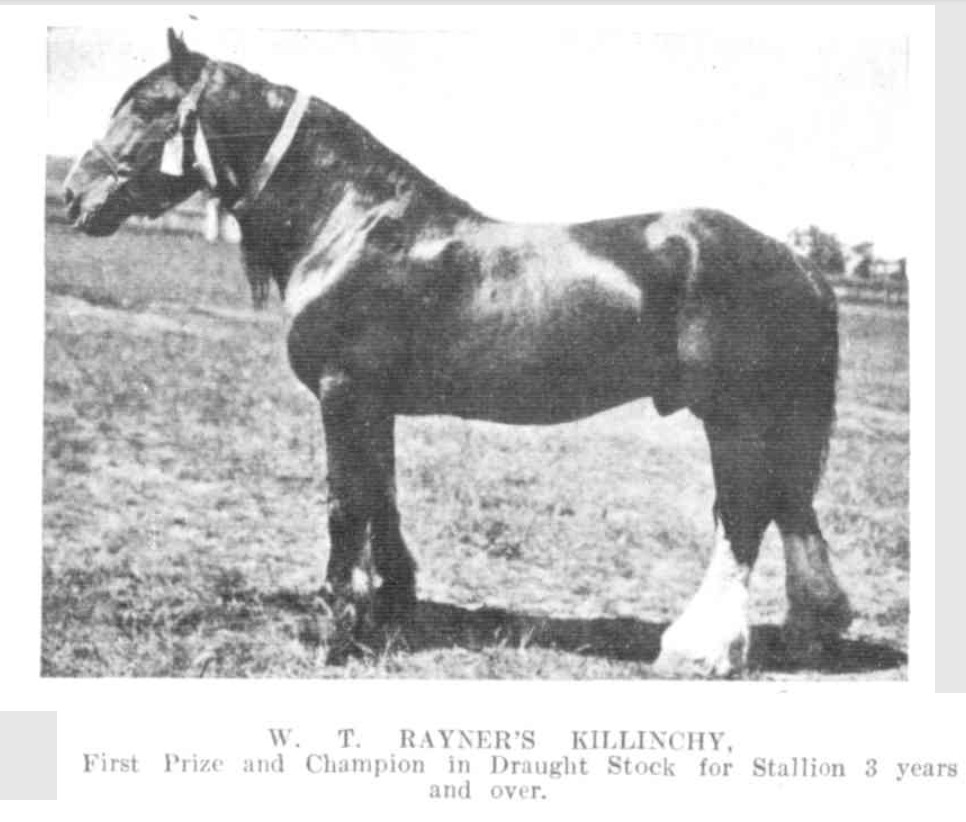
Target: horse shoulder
[[344, 317]]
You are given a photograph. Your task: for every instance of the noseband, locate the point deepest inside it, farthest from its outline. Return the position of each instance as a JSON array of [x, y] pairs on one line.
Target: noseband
[[119, 171]]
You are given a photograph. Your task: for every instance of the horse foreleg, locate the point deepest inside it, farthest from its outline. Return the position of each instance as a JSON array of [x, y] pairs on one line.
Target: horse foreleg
[[396, 595], [348, 416], [711, 637]]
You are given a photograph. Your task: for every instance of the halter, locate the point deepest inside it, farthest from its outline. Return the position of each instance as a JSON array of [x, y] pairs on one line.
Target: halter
[[118, 171], [276, 151], [172, 159]]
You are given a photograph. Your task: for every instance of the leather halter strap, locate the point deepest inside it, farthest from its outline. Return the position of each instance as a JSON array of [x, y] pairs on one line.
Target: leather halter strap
[[189, 103], [173, 158], [274, 155], [118, 171], [276, 151]]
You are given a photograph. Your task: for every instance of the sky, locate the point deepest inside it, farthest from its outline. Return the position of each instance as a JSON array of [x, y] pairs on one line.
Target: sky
[[780, 125]]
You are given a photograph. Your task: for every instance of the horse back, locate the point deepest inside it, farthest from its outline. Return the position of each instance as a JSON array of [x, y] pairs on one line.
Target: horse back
[[543, 323]]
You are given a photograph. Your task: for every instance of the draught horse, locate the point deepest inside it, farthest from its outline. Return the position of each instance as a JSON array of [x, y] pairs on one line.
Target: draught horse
[[404, 299]]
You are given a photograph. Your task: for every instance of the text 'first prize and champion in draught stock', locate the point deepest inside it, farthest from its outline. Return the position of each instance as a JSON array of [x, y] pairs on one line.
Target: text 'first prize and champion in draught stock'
[[510, 764]]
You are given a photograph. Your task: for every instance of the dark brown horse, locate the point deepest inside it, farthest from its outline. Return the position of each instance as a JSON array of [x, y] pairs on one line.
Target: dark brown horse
[[405, 300]]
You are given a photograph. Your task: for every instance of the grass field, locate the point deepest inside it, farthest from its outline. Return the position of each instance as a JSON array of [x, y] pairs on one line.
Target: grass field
[[184, 500]]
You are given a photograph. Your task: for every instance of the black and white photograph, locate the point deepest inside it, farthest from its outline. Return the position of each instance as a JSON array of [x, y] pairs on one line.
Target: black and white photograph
[[473, 411], [474, 353]]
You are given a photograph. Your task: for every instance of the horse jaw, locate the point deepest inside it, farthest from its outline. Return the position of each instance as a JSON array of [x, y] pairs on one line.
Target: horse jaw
[[102, 221]]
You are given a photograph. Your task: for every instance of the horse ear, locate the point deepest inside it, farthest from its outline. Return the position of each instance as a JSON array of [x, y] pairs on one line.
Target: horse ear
[[176, 46], [184, 68]]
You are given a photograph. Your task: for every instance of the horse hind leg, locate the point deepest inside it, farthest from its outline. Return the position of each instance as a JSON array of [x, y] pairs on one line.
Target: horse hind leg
[[711, 637], [818, 608]]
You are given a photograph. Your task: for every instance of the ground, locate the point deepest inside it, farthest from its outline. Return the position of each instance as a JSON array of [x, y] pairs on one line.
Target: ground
[[184, 501]]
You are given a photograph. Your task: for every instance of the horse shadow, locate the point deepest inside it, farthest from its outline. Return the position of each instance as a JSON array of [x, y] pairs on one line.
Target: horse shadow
[[440, 626]]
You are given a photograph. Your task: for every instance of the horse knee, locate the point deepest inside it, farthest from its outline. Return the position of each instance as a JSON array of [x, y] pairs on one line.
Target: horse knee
[[346, 517]]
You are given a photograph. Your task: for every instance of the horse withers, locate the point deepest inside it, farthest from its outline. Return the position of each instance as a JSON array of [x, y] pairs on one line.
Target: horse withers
[[403, 299]]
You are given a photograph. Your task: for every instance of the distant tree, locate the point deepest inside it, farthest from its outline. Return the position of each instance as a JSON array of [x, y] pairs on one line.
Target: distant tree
[[865, 254], [826, 252], [822, 249]]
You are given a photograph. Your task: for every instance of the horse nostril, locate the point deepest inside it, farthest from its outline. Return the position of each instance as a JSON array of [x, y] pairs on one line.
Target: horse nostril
[[72, 204]]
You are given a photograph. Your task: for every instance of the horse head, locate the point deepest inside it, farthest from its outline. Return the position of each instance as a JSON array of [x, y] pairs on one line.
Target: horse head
[[154, 153]]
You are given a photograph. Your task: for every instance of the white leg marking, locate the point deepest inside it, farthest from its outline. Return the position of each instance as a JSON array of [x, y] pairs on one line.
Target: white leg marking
[[711, 637]]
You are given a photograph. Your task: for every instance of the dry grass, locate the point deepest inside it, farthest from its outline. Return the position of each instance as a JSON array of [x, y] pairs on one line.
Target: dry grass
[[184, 501]]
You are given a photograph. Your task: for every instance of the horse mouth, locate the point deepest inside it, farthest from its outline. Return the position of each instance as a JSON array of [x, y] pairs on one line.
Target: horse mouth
[[96, 222]]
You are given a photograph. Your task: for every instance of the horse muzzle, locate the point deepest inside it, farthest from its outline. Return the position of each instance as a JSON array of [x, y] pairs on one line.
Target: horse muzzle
[[96, 213]]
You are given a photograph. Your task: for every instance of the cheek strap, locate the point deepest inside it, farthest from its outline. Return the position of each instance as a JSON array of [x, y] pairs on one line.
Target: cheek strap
[[203, 157], [172, 157]]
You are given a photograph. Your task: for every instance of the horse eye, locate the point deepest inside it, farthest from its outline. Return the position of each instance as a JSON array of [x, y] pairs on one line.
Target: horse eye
[[147, 109]]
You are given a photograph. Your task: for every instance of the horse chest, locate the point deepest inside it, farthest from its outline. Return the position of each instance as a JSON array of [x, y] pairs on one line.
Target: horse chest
[[341, 318], [362, 338]]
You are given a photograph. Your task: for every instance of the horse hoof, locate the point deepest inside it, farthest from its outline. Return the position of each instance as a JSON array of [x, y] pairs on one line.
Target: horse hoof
[[688, 664], [813, 635], [340, 624], [341, 649], [340, 608], [691, 649], [323, 633]]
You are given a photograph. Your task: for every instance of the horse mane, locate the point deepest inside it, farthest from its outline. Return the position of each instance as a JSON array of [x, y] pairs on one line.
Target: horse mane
[[370, 159]]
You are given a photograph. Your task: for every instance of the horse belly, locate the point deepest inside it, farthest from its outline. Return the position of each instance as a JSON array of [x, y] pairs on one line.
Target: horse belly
[[533, 361]]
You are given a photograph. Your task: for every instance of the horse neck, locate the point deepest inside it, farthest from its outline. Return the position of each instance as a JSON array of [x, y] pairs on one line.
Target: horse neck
[[332, 164]]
